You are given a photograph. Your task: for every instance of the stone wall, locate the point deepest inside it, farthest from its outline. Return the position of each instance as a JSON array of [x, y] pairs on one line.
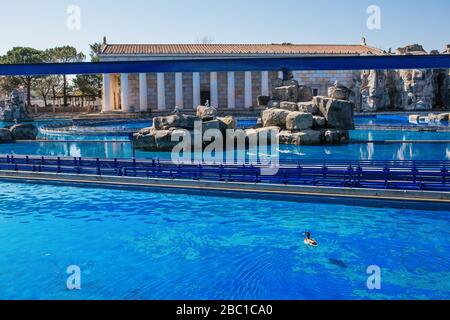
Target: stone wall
[[188, 91]]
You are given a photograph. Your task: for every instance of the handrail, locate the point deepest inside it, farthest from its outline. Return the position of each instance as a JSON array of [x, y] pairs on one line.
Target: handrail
[[400, 175]]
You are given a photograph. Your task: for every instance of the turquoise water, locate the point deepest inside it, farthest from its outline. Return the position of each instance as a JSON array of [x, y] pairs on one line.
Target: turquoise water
[[136, 245], [395, 120], [354, 151]]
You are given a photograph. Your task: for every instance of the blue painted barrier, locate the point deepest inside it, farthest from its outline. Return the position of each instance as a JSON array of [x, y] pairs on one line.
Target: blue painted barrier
[[398, 175], [236, 64]]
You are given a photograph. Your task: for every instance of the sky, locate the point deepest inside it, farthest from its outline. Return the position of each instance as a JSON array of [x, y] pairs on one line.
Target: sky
[[46, 23]]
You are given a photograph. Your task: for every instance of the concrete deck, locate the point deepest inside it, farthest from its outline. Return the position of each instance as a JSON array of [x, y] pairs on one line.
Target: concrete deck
[[349, 196]]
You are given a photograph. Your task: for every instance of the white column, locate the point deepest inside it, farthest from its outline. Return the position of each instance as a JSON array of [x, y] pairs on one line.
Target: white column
[[248, 89], [124, 85], [161, 91], [106, 100], [214, 90], [196, 89], [280, 75], [265, 83], [179, 89], [143, 97], [231, 89]]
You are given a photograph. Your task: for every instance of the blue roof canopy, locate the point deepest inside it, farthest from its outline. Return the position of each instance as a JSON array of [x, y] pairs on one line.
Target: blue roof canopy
[[236, 64]]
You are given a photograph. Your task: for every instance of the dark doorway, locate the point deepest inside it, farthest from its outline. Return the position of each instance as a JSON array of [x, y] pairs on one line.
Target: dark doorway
[[205, 96]]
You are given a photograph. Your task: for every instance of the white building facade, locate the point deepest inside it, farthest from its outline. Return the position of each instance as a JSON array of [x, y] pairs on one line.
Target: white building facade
[[147, 92]]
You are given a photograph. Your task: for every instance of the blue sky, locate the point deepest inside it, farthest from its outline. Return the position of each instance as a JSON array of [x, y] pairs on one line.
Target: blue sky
[[42, 24]]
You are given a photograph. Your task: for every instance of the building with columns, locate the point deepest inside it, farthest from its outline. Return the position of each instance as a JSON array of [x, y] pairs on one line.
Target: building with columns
[[225, 90]]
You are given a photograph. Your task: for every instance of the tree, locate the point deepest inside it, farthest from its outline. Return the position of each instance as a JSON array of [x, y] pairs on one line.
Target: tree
[[21, 55], [66, 54], [45, 85], [90, 85]]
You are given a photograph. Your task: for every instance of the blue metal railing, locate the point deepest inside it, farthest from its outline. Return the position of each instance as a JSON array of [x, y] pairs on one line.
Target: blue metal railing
[[397, 175]]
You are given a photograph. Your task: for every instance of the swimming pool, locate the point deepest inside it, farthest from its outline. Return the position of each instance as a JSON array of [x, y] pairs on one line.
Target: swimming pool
[[137, 245], [389, 120], [353, 151]]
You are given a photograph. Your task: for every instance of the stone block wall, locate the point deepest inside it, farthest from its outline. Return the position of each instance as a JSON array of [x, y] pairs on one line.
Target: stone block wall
[[256, 87], [133, 98], [169, 81], [322, 80], [222, 83], [188, 91], [239, 81], [152, 91]]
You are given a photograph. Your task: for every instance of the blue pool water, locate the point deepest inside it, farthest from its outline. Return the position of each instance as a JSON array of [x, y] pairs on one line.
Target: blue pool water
[[137, 245], [394, 120], [354, 151]]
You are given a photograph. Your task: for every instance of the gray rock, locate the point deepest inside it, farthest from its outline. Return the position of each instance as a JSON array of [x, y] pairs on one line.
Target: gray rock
[[286, 93], [175, 121], [305, 94], [273, 104], [6, 136], [206, 112], [319, 122], [14, 109], [308, 107], [339, 92], [290, 106], [261, 135], [145, 139], [336, 136], [164, 141], [338, 113], [263, 101], [24, 132], [274, 118], [228, 123], [302, 138], [299, 121]]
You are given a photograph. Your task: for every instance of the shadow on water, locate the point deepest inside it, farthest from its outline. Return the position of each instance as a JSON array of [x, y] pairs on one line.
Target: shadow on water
[[338, 263]]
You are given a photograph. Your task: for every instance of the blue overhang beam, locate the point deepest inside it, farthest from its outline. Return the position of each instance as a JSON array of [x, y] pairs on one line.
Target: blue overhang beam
[[236, 64]]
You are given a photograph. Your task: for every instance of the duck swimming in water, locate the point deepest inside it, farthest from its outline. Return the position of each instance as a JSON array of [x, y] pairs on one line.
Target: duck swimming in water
[[308, 241]]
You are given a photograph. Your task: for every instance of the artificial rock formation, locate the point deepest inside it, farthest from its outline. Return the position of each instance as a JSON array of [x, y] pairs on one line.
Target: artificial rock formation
[[14, 109], [403, 90], [307, 120], [167, 132]]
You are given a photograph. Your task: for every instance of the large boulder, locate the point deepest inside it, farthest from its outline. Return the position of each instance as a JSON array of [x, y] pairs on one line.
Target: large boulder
[[206, 112], [164, 141], [301, 138], [290, 106], [145, 139], [261, 135], [305, 94], [263, 101], [228, 123], [175, 121], [319, 122], [24, 132], [338, 113], [333, 136], [274, 117], [339, 92], [6, 136], [286, 93], [308, 107], [296, 121]]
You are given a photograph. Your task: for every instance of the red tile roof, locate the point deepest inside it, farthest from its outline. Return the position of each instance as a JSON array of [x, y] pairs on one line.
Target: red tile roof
[[235, 49]]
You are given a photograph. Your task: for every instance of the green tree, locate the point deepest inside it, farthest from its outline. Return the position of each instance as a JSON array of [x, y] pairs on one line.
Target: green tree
[[46, 85], [21, 55], [90, 85], [66, 54]]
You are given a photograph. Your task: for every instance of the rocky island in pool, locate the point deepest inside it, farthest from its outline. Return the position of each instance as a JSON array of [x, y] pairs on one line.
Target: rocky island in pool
[[293, 116]]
